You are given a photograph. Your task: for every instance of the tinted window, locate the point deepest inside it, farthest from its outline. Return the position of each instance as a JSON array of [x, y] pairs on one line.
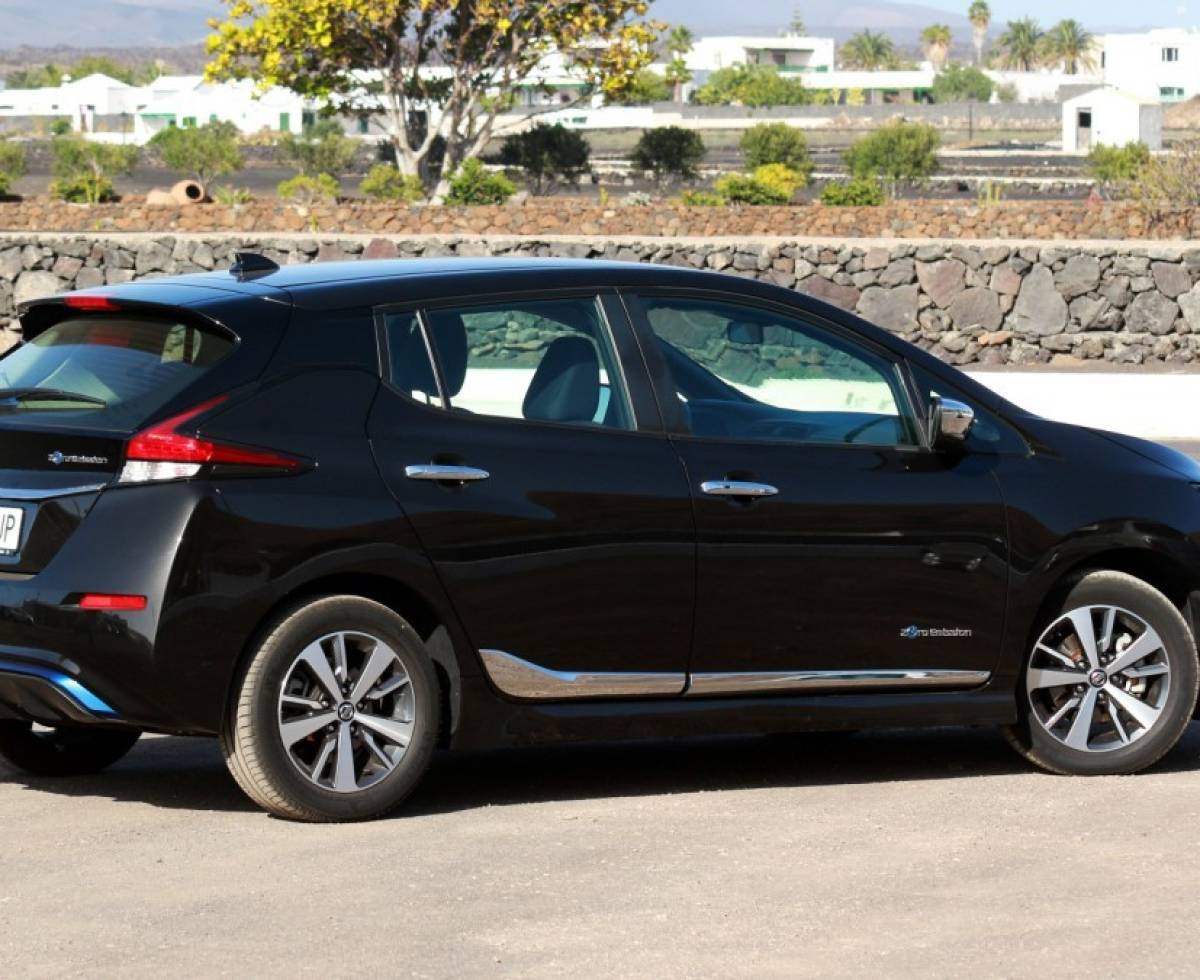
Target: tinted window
[[749, 373], [540, 360], [409, 366], [124, 367], [989, 434]]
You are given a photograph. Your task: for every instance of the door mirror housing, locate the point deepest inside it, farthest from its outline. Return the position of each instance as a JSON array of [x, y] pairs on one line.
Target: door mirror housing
[[950, 422], [744, 333]]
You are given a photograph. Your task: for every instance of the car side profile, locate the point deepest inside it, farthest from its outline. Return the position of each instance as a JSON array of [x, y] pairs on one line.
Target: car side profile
[[341, 515]]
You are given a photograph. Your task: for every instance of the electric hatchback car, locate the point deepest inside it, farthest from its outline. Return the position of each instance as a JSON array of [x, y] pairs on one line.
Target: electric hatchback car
[[340, 515]]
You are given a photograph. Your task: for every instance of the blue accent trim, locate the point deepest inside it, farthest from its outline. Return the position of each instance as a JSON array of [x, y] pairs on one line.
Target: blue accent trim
[[68, 685]]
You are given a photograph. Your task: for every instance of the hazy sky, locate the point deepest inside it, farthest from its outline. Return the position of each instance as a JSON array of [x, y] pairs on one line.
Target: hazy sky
[[1093, 13]]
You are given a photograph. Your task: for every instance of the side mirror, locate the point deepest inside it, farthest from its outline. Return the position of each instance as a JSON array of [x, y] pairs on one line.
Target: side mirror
[[950, 422], [744, 333]]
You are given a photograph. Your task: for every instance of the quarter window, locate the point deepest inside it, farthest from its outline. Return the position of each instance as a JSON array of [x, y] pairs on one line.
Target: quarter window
[[537, 360], [744, 372]]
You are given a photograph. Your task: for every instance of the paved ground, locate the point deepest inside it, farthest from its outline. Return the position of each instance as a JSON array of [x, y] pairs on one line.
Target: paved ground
[[929, 854]]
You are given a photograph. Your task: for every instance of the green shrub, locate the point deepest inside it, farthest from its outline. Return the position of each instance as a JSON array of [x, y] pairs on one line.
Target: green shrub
[[752, 86], [473, 183], [746, 189], [84, 171], [203, 152], [777, 143], [645, 87], [12, 164], [962, 83], [1118, 164], [321, 149], [783, 179], [232, 196], [899, 151], [702, 199], [545, 154], [861, 192], [305, 190], [669, 151], [1169, 183], [384, 182]]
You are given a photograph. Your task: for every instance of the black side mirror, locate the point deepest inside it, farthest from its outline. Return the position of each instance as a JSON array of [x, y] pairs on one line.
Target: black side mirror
[[744, 333], [950, 422]]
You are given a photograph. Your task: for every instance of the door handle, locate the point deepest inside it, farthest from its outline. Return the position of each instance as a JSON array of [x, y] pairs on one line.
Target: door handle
[[737, 488], [442, 473]]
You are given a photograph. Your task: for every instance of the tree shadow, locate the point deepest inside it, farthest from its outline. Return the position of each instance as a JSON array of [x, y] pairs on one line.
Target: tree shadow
[[189, 774]]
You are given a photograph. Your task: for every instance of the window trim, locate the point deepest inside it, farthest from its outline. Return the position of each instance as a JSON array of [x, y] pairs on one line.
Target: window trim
[[675, 420], [643, 408]]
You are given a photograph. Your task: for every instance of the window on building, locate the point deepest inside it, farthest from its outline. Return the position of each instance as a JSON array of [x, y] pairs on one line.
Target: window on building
[[1170, 54], [1170, 93]]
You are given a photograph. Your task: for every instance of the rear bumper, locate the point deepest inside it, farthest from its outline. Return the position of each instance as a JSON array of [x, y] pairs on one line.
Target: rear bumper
[[34, 692]]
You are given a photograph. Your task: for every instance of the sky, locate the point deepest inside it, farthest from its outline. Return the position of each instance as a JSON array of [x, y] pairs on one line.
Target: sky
[[1095, 14]]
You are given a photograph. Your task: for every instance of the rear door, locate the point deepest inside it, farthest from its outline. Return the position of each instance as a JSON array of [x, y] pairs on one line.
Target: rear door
[[534, 469]]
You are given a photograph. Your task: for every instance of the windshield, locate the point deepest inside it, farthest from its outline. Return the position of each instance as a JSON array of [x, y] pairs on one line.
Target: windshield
[[106, 371]]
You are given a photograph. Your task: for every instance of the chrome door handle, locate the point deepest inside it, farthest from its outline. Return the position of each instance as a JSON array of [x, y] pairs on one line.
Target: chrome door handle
[[737, 488], [441, 473]]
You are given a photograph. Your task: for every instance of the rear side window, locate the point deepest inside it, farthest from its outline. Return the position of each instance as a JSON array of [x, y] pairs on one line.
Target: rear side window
[[107, 371]]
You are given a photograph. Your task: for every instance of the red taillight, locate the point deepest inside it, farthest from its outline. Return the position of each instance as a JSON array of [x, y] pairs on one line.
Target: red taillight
[[163, 443], [105, 600], [92, 303]]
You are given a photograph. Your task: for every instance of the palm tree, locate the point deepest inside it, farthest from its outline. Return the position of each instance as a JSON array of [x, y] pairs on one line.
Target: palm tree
[[936, 40], [679, 43], [869, 50], [796, 28], [1068, 44], [1021, 45], [980, 16]]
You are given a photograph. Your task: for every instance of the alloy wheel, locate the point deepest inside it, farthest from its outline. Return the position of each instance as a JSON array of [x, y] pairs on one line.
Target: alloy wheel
[[346, 711], [1098, 678]]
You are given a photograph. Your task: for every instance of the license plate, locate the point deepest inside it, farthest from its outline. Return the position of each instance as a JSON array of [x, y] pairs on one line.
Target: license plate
[[10, 529]]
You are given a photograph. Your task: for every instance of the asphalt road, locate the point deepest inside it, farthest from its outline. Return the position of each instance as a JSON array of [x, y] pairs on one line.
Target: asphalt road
[[931, 854], [910, 854]]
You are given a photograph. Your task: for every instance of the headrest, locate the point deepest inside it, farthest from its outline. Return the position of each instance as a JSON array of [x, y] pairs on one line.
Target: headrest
[[566, 385]]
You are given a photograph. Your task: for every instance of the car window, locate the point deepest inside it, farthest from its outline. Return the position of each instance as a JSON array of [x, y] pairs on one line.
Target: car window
[[989, 433], [538, 360], [409, 366], [744, 372]]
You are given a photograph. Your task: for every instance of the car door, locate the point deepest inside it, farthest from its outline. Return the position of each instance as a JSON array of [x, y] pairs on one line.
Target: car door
[[836, 551], [531, 461]]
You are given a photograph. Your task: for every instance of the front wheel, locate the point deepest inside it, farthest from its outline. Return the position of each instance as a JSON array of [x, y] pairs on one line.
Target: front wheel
[[1110, 683], [337, 714], [66, 751]]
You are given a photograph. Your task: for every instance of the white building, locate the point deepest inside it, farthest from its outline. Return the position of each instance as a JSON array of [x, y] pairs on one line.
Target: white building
[[1160, 64], [1110, 117], [80, 100], [187, 100], [788, 54]]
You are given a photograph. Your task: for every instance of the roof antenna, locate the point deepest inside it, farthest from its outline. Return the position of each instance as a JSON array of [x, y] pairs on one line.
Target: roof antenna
[[251, 265]]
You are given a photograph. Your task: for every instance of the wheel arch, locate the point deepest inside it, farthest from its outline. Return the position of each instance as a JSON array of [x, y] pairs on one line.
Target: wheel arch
[[397, 595]]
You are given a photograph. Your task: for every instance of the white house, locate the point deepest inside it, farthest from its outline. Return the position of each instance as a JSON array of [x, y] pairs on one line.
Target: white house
[[79, 100], [788, 54], [187, 100], [1161, 64], [1110, 117]]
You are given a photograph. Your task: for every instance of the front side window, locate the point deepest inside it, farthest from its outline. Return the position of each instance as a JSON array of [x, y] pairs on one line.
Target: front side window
[[536, 360], [744, 372]]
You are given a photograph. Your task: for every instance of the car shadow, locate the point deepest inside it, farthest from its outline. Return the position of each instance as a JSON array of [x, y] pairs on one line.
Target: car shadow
[[183, 773]]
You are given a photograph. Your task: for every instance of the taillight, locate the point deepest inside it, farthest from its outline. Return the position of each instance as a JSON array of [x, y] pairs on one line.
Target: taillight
[[92, 303], [162, 452], [109, 601]]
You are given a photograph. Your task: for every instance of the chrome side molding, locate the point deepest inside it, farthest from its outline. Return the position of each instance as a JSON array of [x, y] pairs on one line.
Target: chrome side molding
[[445, 474], [521, 679], [12, 493], [830, 681]]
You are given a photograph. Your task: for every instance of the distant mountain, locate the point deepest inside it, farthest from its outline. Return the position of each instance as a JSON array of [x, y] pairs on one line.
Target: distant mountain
[[837, 18]]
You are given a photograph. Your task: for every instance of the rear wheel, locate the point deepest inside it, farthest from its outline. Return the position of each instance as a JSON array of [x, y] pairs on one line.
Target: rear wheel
[[1110, 683], [337, 714], [67, 751]]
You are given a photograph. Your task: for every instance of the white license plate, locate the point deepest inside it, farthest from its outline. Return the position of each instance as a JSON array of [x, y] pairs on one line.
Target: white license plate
[[10, 529]]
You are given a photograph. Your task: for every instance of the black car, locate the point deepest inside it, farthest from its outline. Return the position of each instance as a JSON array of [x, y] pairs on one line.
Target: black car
[[340, 515]]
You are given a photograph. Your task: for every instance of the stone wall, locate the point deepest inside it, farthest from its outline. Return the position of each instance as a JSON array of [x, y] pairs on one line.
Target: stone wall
[[970, 303], [1065, 220]]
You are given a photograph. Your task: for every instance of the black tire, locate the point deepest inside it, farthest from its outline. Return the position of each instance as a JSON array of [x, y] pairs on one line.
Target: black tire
[[251, 742], [1031, 739], [68, 751]]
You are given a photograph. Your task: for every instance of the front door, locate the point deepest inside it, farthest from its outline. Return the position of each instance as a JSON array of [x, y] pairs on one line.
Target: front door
[[533, 467], [836, 552]]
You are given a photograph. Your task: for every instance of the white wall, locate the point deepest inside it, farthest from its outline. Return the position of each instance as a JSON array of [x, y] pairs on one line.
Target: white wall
[[1117, 119], [797, 53], [1135, 63]]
